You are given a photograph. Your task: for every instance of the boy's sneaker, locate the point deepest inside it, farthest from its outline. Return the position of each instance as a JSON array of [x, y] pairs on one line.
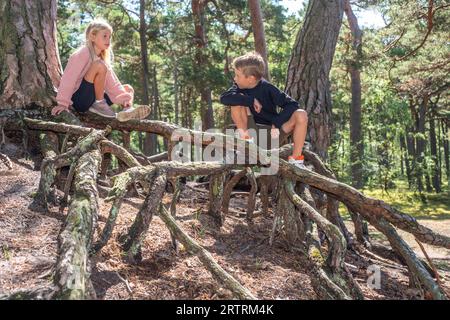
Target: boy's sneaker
[[134, 113], [297, 161], [102, 109]]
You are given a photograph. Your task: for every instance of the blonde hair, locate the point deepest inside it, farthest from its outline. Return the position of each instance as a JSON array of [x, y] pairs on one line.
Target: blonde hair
[[96, 25], [251, 64]]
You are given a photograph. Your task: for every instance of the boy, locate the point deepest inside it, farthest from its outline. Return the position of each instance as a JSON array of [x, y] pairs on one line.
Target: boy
[[251, 94]]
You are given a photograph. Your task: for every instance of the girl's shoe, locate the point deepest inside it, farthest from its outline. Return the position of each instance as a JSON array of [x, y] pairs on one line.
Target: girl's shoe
[[102, 109], [297, 161], [134, 113]]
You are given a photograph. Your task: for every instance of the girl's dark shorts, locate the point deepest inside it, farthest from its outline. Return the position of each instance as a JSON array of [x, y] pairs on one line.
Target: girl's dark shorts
[[84, 97]]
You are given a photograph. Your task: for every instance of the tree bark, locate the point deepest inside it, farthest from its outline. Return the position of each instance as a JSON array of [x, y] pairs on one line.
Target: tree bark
[[406, 159], [434, 155], [216, 193], [411, 156], [446, 143], [176, 94], [354, 66], [29, 58], [149, 148], [258, 32], [420, 143], [207, 113], [310, 65]]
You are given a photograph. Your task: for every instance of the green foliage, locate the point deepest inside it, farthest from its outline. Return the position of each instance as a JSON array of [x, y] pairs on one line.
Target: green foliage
[[391, 91]]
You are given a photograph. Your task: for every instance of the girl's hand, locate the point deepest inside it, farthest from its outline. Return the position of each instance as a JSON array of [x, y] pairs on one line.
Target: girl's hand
[[274, 132], [58, 109]]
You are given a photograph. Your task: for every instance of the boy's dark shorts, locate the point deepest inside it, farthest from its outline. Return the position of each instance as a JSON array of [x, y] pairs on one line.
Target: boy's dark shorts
[[84, 97]]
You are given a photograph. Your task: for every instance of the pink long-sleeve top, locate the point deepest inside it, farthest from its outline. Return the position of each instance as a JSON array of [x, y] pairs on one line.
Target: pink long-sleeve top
[[76, 68]]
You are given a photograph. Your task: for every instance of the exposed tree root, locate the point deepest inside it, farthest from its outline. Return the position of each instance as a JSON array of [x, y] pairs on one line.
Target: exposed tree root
[[366, 206], [295, 206], [334, 275], [72, 275]]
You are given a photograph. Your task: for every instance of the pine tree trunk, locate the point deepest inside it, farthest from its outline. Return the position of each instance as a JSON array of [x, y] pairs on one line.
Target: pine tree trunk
[[258, 32], [198, 10], [402, 156], [446, 142], [420, 143], [434, 155], [411, 154], [175, 94], [150, 142], [309, 68], [406, 159], [354, 66], [144, 52], [439, 148], [148, 146], [30, 68]]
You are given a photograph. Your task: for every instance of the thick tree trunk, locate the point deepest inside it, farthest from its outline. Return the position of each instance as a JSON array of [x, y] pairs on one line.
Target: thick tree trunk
[[354, 66], [207, 113], [29, 60], [310, 65], [258, 32]]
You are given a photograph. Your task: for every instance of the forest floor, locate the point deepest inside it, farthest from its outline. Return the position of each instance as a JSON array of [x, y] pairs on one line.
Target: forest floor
[[28, 244]]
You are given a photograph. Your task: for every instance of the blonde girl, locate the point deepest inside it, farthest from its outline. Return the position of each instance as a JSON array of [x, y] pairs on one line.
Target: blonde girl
[[90, 84]]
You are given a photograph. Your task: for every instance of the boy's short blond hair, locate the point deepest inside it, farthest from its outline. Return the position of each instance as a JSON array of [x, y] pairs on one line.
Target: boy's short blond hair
[[251, 64]]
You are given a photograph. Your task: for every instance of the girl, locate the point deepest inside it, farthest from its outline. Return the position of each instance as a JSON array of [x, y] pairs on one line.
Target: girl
[[89, 82]]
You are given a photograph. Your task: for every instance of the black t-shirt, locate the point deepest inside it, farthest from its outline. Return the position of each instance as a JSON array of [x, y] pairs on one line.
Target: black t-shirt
[[269, 96]]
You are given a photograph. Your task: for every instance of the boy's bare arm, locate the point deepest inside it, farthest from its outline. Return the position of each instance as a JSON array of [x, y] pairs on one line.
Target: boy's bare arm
[[257, 105]]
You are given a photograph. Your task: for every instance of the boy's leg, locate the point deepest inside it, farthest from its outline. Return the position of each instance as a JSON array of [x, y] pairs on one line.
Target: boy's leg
[[298, 123], [97, 75], [239, 116]]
